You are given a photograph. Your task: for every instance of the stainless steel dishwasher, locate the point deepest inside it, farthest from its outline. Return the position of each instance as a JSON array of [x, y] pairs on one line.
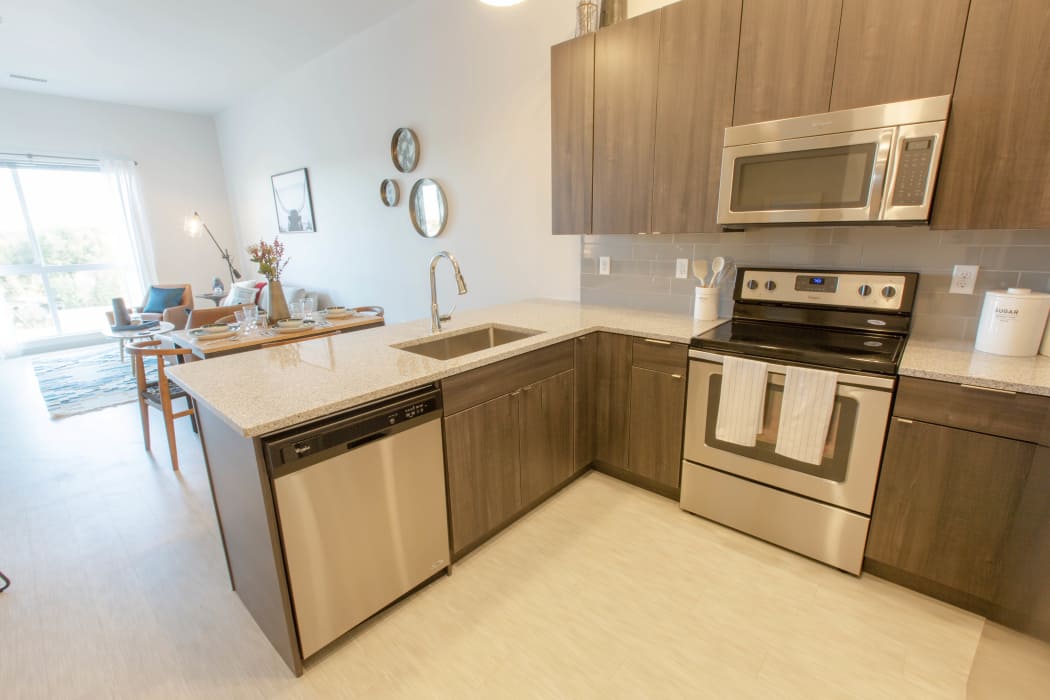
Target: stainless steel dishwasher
[[361, 509]]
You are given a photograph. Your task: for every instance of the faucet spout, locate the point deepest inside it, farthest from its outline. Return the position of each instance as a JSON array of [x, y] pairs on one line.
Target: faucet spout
[[436, 317]]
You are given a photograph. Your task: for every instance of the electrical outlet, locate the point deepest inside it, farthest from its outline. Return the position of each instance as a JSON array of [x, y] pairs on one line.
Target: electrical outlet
[[603, 265], [681, 268], [964, 277]]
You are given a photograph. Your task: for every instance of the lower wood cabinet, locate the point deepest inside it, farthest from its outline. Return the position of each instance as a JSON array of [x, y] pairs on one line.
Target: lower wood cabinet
[[546, 438], [484, 474], [964, 515], [507, 452], [946, 503], [657, 415], [612, 391], [585, 358]]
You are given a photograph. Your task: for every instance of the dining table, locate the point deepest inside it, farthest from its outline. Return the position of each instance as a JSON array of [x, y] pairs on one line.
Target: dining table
[[204, 347]]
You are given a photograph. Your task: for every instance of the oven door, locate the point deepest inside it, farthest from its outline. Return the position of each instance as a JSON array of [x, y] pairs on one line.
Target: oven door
[[852, 453], [828, 178]]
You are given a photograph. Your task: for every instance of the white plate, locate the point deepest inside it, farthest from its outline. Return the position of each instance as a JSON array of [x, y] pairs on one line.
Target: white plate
[[212, 336], [296, 329]]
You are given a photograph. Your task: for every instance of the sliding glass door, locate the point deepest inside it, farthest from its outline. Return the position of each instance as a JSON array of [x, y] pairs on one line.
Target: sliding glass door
[[64, 251]]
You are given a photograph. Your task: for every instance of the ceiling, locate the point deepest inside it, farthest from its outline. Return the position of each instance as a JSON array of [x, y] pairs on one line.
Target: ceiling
[[185, 55]]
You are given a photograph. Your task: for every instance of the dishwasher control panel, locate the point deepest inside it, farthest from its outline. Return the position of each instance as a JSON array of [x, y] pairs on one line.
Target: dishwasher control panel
[[317, 441]]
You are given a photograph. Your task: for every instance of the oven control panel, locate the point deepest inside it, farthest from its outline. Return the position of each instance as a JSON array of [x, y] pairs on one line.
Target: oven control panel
[[860, 290]]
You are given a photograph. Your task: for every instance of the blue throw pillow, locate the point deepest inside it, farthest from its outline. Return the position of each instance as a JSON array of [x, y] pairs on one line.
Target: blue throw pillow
[[161, 298]]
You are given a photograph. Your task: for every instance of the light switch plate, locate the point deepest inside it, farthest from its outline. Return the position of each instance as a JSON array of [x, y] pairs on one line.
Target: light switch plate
[[681, 268], [964, 277], [603, 265]]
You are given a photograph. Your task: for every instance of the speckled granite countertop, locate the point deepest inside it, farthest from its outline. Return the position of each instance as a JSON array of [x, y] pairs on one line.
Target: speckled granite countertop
[[957, 361], [262, 391]]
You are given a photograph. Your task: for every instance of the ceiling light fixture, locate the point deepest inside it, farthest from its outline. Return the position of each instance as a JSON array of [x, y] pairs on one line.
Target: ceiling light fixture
[[30, 78], [501, 3]]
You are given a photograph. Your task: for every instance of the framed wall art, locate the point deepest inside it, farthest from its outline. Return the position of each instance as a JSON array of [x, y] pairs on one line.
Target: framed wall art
[[292, 200]]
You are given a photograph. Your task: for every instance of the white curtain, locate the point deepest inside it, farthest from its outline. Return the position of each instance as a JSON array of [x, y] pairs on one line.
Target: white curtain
[[126, 186]]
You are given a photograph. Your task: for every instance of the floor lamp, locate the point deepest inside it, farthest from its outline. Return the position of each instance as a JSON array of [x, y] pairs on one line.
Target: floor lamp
[[194, 225]]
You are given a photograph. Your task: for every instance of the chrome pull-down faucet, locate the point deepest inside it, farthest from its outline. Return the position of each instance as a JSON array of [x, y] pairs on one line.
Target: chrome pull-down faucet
[[436, 317]]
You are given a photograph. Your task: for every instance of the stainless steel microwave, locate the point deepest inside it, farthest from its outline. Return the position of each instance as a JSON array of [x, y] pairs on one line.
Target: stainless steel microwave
[[868, 164]]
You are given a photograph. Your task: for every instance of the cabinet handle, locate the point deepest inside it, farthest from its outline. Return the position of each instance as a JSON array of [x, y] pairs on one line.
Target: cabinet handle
[[904, 420], [657, 342], [676, 376], [988, 389]]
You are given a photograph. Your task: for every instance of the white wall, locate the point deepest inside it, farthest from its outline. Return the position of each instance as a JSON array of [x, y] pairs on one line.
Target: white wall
[[474, 82], [179, 165], [639, 7]]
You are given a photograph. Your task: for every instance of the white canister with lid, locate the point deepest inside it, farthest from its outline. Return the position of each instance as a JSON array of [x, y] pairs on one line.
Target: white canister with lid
[[1012, 322]]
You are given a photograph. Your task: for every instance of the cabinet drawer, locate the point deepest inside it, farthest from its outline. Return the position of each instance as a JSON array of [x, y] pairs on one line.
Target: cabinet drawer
[[1018, 416], [660, 355], [484, 383]]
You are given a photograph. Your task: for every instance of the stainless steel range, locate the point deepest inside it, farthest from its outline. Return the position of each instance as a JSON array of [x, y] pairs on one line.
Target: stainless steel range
[[761, 477]]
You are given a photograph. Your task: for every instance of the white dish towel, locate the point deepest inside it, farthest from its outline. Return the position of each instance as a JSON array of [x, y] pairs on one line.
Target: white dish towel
[[805, 414], [742, 401]]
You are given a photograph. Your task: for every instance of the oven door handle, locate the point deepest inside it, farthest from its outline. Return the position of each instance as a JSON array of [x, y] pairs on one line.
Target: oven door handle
[[844, 377]]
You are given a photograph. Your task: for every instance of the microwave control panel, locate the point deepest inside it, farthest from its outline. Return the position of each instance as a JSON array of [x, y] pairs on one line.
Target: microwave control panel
[[860, 290], [913, 172]]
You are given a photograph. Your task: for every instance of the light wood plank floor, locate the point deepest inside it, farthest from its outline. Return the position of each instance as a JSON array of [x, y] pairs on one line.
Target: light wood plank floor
[[606, 591]]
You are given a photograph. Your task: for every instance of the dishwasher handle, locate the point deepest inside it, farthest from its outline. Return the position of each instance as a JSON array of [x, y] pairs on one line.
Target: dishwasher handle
[[294, 450]]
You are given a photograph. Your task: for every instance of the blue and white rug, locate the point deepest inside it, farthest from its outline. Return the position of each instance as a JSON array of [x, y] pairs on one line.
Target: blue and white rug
[[87, 379]]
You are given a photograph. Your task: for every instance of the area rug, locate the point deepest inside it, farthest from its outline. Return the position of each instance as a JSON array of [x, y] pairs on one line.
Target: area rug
[[86, 379]]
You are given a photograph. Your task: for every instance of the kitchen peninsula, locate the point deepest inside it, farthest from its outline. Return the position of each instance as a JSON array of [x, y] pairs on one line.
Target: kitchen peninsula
[[521, 420]]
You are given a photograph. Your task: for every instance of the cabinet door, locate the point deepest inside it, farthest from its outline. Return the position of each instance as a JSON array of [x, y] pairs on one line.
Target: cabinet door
[[657, 420], [994, 174], [894, 50], [585, 407], [572, 134], [787, 58], [625, 70], [613, 396], [546, 435], [945, 504], [484, 476], [694, 106], [1023, 597]]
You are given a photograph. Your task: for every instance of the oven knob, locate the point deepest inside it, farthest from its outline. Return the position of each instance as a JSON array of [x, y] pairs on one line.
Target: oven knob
[[889, 292], [771, 285], [752, 284], [864, 290]]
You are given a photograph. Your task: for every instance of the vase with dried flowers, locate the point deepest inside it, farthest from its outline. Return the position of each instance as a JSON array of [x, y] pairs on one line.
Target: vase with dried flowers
[[271, 261]]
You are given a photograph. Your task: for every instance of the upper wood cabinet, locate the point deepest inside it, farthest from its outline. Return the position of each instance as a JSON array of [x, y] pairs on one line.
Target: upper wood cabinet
[[994, 172], [694, 106], [787, 58], [626, 61], [894, 50], [572, 134]]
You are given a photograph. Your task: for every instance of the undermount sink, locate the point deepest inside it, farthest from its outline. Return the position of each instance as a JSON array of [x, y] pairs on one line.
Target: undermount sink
[[458, 343]]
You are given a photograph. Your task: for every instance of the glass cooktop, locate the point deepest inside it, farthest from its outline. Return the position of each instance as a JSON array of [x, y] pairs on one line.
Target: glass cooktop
[[826, 347]]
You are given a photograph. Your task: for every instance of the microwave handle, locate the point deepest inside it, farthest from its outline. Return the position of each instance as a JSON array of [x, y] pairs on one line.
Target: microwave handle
[[878, 175]]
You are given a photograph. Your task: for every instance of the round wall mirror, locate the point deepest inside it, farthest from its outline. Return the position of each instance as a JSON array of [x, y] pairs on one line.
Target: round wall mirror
[[390, 192], [428, 207], [404, 150]]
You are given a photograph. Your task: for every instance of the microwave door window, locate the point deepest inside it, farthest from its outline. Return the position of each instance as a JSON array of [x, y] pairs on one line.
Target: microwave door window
[[822, 178]]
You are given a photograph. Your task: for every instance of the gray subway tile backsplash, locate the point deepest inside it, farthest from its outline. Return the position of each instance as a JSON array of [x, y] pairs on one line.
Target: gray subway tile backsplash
[[642, 268]]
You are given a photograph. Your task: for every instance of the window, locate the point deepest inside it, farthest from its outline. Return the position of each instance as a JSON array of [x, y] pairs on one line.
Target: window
[[64, 252]]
